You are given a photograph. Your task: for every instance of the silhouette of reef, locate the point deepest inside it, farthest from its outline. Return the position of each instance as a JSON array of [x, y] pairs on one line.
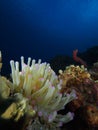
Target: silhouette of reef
[[90, 56]]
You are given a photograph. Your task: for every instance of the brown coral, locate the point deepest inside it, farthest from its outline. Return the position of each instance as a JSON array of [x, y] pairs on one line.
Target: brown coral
[[90, 113], [79, 79]]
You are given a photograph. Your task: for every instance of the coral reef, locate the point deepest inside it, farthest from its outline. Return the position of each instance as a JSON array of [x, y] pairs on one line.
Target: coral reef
[[35, 96], [36, 91], [79, 79]]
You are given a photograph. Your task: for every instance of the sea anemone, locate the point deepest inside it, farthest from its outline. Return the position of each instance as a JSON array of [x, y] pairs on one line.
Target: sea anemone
[[39, 84]]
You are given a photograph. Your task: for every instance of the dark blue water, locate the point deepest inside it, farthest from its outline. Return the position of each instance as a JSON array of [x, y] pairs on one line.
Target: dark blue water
[[45, 28]]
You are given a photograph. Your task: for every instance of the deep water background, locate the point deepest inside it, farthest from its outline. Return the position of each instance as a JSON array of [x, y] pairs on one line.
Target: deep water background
[[46, 28]]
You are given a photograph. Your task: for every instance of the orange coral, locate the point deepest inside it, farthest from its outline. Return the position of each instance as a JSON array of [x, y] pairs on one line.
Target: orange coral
[[78, 59]]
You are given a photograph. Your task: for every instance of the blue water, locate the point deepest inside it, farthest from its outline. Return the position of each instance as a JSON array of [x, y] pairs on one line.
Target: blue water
[[45, 28]]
